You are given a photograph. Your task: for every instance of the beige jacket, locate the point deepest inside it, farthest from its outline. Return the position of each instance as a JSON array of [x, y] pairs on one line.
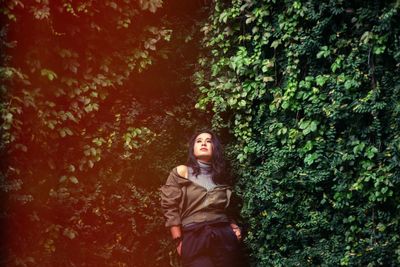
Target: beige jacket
[[184, 202]]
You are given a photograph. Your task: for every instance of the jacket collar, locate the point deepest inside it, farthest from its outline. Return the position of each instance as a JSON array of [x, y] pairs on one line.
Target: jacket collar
[[185, 181]]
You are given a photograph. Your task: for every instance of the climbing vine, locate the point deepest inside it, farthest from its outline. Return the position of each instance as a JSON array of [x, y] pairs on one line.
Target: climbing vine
[[310, 92]]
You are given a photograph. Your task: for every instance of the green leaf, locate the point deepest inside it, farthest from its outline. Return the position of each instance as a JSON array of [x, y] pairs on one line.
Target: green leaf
[[63, 179], [70, 233], [73, 179], [275, 44], [310, 158], [51, 75], [321, 80], [313, 126]]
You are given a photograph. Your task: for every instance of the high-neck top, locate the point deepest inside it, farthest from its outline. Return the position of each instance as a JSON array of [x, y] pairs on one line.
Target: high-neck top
[[205, 168], [204, 178]]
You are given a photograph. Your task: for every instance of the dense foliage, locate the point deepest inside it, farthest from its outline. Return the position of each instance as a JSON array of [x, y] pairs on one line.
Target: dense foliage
[[86, 128], [96, 104], [311, 92]]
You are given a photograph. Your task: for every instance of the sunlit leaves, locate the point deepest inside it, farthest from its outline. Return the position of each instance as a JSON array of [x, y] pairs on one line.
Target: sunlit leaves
[[151, 5], [51, 75], [67, 152], [70, 233], [41, 12], [135, 137]]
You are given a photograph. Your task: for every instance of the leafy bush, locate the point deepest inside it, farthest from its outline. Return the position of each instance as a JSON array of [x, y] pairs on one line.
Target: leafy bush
[[86, 129]]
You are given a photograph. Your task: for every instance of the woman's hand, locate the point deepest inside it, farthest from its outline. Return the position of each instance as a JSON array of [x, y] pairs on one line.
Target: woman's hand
[[176, 233], [236, 230], [179, 248]]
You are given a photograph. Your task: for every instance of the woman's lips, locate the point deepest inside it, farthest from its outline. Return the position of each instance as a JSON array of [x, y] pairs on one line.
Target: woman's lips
[[203, 149]]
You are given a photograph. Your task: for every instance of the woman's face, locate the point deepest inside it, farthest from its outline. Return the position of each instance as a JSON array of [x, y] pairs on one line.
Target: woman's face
[[203, 147]]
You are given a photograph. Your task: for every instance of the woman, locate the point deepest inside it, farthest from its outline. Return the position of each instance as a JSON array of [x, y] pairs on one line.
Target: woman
[[194, 201]]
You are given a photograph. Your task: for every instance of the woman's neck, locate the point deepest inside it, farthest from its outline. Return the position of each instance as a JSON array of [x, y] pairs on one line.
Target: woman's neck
[[203, 162], [205, 166]]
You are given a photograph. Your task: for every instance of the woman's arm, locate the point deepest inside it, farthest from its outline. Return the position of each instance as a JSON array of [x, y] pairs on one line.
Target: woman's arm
[[171, 195], [170, 198], [176, 234], [176, 231]]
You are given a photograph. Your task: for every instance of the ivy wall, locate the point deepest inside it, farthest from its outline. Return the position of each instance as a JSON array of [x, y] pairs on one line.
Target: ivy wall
[[310, 91]]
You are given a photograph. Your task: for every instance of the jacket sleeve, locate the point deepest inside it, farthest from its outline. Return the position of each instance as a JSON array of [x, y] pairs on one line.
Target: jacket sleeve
[[171, 195], [233, 206]]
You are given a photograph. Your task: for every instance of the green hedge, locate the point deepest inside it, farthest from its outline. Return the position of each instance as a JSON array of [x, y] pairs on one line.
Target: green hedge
[[310, 91]]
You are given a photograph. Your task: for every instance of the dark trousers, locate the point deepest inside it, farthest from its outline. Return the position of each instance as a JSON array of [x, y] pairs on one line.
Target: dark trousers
[[210, 245]]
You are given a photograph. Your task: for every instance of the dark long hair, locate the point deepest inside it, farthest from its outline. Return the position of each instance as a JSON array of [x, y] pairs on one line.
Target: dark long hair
[[218, 164]]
